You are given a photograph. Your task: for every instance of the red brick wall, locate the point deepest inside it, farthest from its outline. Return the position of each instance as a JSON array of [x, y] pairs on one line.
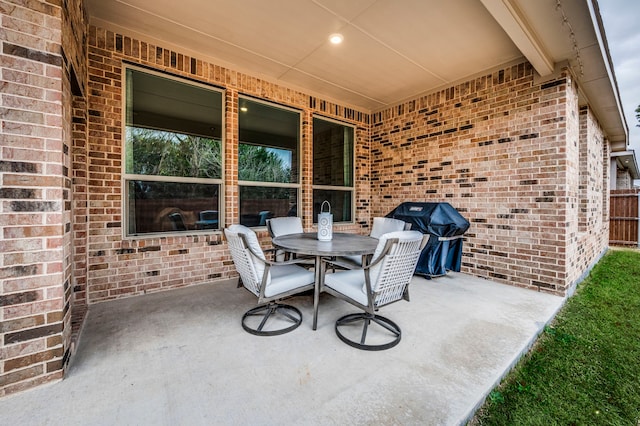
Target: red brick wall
[[35, 167], [502, 149], [591, 236], [80, 206]]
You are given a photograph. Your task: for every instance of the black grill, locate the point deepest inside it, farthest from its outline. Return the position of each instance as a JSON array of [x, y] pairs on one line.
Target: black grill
[[445, 227]]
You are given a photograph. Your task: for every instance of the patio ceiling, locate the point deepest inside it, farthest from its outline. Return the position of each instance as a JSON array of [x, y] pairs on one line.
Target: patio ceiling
[[393, 50]]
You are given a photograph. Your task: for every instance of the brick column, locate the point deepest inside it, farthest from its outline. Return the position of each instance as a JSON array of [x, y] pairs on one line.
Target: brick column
[[32, 217], [35, 215]]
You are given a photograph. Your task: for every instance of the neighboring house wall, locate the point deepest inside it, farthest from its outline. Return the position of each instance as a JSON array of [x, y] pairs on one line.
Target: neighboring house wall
[[503, 149], [35, 168], [623, 179]]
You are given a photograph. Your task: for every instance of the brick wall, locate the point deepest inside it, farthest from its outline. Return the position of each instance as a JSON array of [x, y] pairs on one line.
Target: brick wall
[[74, 48], [80, 211], [35, 218], [502, 149], [623, 179], [592, 233], [118, 267]]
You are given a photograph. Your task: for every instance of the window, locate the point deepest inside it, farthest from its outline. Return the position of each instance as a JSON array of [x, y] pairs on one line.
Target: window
[[333, 168], [268, 172], [173, 154]]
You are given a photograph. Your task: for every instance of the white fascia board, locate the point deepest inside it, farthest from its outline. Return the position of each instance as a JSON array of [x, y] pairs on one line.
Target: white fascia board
[[515, 24]]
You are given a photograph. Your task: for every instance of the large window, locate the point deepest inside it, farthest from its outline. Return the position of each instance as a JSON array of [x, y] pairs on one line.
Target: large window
[[173, 154], [267, 161], [333, 168]]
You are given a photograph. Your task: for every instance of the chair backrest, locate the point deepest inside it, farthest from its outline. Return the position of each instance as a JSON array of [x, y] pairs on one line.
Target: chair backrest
[[250, 268], [391, 275], [177, 221], [383, 225], [264, 216], [208, 215], [278, 226]]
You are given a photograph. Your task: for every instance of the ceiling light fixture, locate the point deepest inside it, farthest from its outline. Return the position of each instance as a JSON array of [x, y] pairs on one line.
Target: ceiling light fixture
[[336, 38]]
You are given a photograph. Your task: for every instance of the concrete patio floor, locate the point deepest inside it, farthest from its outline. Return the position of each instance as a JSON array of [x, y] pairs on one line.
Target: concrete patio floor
[[181, 357]]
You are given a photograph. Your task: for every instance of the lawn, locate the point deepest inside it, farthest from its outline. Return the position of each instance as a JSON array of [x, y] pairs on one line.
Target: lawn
[[585, 367]]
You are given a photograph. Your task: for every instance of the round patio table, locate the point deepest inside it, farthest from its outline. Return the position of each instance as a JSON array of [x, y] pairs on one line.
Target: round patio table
[[342, 244]]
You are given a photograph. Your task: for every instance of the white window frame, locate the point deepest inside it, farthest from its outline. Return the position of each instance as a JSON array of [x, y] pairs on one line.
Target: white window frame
[[259, 184], [351, 189], [127, 177]]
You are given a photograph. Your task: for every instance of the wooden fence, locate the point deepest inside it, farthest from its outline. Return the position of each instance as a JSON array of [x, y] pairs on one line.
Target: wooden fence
[[625, 217]]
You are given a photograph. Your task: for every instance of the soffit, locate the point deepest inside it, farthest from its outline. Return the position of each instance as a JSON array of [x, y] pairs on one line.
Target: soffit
[[626, 160], [393, 49]]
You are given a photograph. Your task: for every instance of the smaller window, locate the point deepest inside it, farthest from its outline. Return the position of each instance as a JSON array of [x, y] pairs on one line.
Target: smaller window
[[333, 172], [267, 161]]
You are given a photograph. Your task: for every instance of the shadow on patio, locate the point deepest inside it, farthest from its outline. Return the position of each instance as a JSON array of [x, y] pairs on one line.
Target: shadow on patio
[[181, 357]]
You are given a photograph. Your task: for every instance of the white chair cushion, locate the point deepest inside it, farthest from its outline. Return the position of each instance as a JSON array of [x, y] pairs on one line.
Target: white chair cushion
[[383, 225], [286, 225], [287, 277], [252, 241], [350, 283]]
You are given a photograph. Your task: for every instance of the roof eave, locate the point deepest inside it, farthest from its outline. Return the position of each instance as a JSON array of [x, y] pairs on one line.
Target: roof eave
[[608, 107]]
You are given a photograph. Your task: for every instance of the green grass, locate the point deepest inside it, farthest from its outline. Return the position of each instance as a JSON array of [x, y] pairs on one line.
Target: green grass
[[585, 367]]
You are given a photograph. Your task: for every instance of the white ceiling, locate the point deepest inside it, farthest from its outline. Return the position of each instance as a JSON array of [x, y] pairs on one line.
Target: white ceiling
[[393, 50]]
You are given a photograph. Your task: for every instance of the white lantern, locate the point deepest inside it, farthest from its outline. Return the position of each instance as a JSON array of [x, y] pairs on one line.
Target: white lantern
[[325, 223]]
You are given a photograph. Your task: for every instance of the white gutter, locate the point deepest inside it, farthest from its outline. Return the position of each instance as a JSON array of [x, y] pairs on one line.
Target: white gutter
[[598, 26]]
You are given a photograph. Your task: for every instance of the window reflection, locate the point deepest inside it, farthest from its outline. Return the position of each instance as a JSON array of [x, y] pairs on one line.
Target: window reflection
[[170, 206], [257, 204], [340, 204]]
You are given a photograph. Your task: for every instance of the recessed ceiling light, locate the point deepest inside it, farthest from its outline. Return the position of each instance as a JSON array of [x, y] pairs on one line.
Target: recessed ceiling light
[[244, 109], [336, 38]]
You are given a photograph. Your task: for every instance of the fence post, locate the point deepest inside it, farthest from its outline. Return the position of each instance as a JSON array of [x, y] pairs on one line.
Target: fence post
[[638, 194]]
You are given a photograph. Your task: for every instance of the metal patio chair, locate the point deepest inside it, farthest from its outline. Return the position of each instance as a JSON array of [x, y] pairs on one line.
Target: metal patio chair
[[381, 226], [269, 281], [177, 221], [278, 226], [382, 282], [208, 219]]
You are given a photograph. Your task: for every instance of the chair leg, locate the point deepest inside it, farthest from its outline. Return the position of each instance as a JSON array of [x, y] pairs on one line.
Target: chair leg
[[268, 320], [387, 328]]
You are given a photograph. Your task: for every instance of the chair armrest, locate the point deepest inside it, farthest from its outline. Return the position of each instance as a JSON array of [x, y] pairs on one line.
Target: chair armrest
[[341, 263], [296, 261], [272, 251]]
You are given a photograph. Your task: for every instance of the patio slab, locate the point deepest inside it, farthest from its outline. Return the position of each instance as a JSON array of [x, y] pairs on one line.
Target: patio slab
[[181, 358]]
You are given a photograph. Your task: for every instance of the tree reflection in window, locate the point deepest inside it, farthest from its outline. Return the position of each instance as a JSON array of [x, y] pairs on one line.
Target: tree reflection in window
[[262, 164], [161, 153]]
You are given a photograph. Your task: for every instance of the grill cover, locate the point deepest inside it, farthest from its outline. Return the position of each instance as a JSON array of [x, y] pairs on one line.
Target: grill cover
[[445, 227]]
